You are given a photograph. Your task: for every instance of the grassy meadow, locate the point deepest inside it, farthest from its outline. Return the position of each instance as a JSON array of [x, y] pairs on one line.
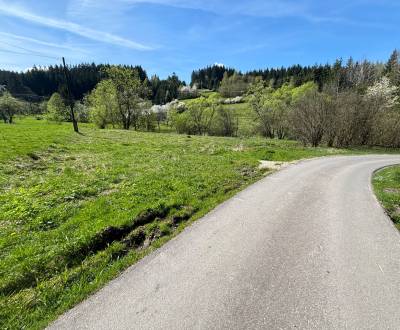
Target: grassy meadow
[[77, 209], [386, 184]]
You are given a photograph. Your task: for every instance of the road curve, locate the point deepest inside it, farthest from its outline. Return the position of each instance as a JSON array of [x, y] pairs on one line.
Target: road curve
[[308, 247]]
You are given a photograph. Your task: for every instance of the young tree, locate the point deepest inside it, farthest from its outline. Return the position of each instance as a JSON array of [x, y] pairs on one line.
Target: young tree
[[256, 94], [103, 105], [130, 91], [9, 106], [56, 109]]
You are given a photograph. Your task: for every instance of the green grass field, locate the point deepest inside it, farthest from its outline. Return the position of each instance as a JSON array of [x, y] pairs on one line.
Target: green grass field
[[386, 184], [75, 210]]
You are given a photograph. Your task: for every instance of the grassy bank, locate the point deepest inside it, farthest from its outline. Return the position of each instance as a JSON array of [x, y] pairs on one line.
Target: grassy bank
[[75, 210], [386, 184]]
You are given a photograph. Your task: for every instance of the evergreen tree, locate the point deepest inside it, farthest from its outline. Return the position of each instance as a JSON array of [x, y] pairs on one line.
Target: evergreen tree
[[392, 69]]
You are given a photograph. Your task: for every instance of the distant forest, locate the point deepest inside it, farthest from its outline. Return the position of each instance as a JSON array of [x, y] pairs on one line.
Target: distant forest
[[212, 76], [39, 83]]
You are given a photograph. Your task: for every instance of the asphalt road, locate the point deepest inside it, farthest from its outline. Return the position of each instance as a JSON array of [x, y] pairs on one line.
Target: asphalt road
[[308, 247]]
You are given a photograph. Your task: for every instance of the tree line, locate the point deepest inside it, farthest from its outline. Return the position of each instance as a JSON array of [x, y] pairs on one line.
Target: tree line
[[39, 83], [350, 104], [349, 71]]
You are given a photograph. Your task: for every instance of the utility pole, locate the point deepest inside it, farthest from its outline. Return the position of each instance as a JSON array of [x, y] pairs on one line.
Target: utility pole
[[70, 100]]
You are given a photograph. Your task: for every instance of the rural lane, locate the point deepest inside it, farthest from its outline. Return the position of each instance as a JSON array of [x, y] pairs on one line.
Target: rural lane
[[308, 247]]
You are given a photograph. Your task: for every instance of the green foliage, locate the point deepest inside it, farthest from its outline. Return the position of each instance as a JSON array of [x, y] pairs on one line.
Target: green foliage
[[130, 94], [57, 110], [199, 116], [165, 91], [210, 77], [103, 105], [272, 106]]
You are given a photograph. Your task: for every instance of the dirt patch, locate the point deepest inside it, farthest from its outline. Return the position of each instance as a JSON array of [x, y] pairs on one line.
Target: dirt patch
[[271, 165]]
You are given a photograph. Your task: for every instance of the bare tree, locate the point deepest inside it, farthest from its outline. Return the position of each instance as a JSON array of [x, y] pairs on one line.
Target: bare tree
[[308, 117]]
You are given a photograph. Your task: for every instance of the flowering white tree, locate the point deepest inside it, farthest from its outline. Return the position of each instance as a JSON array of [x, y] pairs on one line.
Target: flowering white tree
[[383, 94], [384, 117]]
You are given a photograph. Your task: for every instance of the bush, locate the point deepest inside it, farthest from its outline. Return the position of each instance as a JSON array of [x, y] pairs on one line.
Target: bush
[[308, 117]]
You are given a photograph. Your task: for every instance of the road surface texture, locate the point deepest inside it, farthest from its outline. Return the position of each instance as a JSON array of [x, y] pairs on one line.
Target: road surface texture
[[308, 247]]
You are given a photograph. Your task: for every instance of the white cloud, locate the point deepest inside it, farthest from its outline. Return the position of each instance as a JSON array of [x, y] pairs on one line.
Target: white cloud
[[13, 37], [261, 8], [222, 65], [18, 12], [255, 8]]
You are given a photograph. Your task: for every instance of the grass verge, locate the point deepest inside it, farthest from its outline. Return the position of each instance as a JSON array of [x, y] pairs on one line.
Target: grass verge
[[386, 183]]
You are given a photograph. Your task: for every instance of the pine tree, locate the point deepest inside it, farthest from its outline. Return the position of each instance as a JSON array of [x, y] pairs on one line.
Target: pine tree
[[392, 69]]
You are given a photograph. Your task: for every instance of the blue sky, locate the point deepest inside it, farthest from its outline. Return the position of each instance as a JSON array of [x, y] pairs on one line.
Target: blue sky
[[166, 36]]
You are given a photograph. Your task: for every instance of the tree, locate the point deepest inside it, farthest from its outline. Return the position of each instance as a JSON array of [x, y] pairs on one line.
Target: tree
[[256, 100], [392, 69], [383, 94], [56, 109], [103, 105], [308, 118], [130, 92], [210, 77], [383, 121], [9, 106]]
